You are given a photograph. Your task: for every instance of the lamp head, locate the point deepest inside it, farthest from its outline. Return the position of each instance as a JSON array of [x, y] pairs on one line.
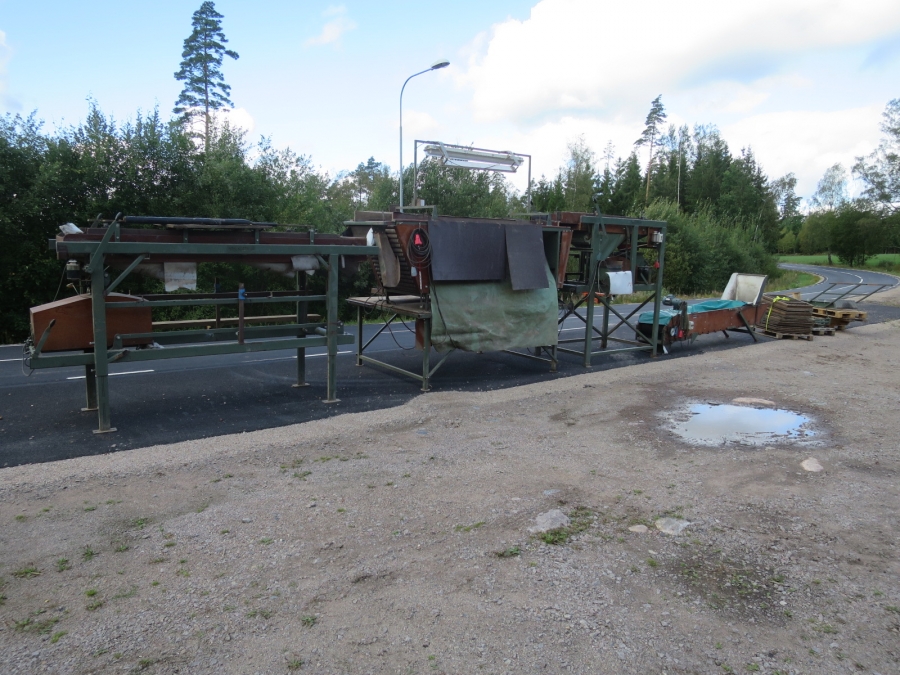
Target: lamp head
[[442, 63]]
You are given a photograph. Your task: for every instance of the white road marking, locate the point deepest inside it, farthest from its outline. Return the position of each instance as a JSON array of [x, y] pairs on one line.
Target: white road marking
[[127, 372]]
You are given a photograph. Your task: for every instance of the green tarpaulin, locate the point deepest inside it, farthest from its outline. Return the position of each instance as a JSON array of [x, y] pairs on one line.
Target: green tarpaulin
[[491, 316], [666, 314]]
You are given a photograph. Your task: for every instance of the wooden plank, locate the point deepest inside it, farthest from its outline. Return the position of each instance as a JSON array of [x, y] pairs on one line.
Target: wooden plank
[[823, 330]]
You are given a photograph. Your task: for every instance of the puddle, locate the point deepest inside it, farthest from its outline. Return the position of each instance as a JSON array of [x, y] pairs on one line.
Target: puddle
[[707, 424]]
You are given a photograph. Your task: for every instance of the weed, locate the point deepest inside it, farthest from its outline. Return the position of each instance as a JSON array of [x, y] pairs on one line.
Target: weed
[[892, 608], [216, 480], [91, 592], [407, 475], [262, 613], [309, 621], [877, 594], [169, 544], [635, 569], [46, 509], [154, 583], [638, 492], [88, 554], [753, 667], [511, 552], [727, 668], [117, 655], [157, 561], [140, 522], [143, 664], [302, 474], [224, 531], [788, 613], [21, 517], [90, 508], [652, 563], [183, 572], [580, 519], [130, 593], [469, 528], [121, 548], [182, 561], [370, 485], [389, 483], [718, 645], [63, 564], [228, 475], [295, 664], [112, 502], [266, 540], [203, 507], [56, 636], [26, 572], [342, 510], [97, 604], [229, 608]]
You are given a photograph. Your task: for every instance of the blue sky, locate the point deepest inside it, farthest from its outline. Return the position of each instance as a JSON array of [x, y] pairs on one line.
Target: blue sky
[[803, 83]]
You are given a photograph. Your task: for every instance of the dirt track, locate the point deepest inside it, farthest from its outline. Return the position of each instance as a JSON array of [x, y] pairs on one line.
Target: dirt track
[[368, 543]]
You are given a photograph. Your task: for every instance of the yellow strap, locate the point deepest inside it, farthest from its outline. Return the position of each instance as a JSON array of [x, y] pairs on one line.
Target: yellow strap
[[774, 300]]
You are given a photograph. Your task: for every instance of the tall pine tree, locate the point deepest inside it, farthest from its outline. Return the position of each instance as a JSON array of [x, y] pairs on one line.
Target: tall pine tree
[[201, 69]]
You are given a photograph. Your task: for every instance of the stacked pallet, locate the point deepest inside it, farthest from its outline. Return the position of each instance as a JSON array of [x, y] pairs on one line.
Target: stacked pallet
[[787, 317], [839, 319]]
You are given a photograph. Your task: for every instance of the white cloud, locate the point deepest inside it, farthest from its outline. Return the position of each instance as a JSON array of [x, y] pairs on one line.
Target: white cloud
[[416, 122], [796, 140], [606, 55], [334, 29]]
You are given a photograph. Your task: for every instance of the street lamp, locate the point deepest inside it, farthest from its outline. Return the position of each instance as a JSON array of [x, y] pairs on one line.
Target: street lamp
[[437, 65]]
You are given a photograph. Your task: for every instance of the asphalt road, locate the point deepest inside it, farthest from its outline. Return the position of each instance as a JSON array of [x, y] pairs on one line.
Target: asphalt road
[[167, 401], [840, 281]]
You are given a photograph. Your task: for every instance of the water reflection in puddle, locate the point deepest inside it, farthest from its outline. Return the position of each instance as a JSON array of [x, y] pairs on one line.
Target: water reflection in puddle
[[718, 424]]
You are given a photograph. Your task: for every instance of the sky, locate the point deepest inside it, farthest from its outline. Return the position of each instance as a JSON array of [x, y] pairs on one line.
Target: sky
[[803, 83]]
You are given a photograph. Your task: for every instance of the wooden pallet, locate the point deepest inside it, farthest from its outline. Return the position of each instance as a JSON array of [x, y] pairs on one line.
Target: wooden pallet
[[784, 336], [823, 330], [848, 314]]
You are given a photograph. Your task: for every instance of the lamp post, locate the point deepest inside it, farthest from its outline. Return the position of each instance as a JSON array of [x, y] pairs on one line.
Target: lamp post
[[437, 65]]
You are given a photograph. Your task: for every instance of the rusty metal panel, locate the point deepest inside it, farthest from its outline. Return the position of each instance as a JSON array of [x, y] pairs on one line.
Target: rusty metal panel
[[467, 250], [74, 327], [525, 254]]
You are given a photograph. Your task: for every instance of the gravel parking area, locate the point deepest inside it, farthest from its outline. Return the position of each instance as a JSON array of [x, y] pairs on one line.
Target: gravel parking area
[[397, 541]]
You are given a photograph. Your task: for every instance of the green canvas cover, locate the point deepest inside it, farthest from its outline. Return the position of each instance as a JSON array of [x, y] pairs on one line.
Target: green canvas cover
[[491, 316], [666, 314]]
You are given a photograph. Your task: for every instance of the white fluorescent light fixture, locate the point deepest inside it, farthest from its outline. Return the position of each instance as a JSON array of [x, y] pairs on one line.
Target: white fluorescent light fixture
[[474, 158]]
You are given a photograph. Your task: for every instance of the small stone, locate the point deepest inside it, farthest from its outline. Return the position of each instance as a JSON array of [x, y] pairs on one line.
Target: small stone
[[311, 505], [246, 520], [671, 526], [551, 520], [550, 493], [759, 402], [812, 464], [640, 529]]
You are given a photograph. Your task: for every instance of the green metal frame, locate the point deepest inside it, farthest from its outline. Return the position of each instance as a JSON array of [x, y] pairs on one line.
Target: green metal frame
[[552, 245], [602, 245], [300, 335]]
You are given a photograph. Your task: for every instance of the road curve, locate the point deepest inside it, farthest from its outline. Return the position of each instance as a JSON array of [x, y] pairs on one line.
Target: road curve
[[838, 280]]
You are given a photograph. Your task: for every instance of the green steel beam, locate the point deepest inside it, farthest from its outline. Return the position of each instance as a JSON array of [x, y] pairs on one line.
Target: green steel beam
[[187, 249]]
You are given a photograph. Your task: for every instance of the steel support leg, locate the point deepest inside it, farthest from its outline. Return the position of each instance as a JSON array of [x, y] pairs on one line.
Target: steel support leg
[[426, 356], [101, 359], [302, 313], [90, 388], [589, 328], [359, 335], [331, 311], [605, 333]]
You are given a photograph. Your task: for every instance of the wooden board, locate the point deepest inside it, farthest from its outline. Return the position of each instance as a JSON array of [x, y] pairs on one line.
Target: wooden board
[[822, 330]]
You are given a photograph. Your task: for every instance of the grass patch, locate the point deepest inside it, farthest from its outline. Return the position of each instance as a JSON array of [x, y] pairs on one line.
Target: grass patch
[[302, 474], [56, 636], [121, 548], [261, 613], [88, 554], [580, 519], [26, 573], [63, 564], [309, 621], [21, 518], [294, 664], [95, 605], [469, 528], [510, 552], [790, 279]]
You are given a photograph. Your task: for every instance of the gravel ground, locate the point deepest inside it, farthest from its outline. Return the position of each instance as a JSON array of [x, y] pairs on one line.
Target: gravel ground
[[397, 541]]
